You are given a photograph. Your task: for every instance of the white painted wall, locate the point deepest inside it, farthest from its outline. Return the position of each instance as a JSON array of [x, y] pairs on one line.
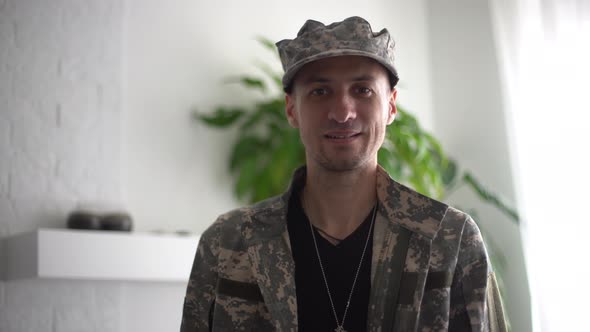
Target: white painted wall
[[470, 121], [178, 54]]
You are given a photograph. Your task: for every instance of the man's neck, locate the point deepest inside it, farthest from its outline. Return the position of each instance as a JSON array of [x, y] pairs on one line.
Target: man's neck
[[338, 202]]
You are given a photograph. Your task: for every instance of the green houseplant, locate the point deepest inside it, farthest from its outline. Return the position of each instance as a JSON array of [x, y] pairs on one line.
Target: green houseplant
[[267, 149]]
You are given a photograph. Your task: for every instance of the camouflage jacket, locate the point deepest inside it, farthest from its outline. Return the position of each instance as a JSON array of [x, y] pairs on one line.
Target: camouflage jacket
[[430, 270]]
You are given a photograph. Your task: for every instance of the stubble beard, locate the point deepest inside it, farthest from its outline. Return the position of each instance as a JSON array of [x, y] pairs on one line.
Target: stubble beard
[[341, 165]]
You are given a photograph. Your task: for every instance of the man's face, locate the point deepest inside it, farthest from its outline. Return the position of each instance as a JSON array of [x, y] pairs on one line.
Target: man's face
[[341, 106]]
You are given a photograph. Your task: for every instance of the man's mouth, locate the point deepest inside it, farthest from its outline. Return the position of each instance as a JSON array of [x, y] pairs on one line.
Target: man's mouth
[[341, 135]]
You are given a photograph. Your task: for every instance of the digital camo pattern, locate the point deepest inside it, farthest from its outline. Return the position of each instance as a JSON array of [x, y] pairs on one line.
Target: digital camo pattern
[[458, 244], [353, 36], [201, 288], [272, 263], [430, 269]]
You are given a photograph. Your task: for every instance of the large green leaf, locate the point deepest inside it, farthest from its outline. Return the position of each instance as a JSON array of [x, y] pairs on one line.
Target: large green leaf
[[449, 172], [249, 82], [490, 197], [248, 147], [221, 117], [269, 44], [247, 178]]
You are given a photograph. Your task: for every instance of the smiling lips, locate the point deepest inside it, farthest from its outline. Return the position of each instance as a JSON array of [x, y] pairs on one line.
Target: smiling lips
[[342, 136]]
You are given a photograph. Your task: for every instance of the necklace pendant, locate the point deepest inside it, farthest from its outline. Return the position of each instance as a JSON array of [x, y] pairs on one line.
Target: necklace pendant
[[340, 328]]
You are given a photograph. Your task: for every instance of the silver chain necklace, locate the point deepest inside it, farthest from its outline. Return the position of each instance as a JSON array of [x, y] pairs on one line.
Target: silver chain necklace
[[340, 324]]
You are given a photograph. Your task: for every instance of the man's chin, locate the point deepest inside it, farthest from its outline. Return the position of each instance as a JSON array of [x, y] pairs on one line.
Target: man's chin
[[343, 166]]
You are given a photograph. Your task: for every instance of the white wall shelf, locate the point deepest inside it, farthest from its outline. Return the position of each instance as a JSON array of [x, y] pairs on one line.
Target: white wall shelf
[[97, 255]]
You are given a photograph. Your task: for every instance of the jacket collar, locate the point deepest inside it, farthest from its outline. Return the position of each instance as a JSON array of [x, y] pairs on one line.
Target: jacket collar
[[412, 210]]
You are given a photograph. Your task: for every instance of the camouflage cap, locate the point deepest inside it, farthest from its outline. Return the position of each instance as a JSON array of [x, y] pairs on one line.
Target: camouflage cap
[[353, 36]]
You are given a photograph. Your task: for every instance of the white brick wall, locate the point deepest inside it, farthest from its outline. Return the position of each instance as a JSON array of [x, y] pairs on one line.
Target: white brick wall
[[61, 108], [60, 114], [58, 305]]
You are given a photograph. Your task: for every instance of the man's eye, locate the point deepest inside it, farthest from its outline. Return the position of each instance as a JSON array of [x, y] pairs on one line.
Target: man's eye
[[363, 90], [319, 92]]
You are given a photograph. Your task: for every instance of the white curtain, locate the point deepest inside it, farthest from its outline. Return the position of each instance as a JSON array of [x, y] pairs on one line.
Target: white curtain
[[544, 52]]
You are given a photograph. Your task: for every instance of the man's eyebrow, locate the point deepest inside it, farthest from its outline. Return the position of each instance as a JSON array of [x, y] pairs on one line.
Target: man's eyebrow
[[364, 78]]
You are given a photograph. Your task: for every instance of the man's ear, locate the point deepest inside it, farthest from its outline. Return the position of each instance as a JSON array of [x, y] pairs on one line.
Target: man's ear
[[392, 107], [290, 111]]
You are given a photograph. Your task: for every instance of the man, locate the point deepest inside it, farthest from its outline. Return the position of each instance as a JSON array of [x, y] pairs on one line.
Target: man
[[346, 248]]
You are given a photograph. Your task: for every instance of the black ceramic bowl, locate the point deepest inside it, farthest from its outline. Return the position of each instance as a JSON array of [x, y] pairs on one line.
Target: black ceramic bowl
[[116, 222], [84, 220]]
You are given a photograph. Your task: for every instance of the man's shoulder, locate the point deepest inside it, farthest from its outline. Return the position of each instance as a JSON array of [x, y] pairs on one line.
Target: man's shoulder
[[458, 218], [421, 212], [413, 210], [230, 225], [246, 213]]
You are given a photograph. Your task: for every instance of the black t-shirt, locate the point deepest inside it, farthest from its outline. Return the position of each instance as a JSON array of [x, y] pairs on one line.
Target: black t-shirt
[[340, 262]]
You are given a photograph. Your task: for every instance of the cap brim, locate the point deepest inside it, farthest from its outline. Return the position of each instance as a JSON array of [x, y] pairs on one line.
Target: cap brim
[[290, 74]]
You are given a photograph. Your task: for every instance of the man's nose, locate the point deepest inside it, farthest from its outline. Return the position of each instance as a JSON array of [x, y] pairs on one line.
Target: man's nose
[[343, 108]]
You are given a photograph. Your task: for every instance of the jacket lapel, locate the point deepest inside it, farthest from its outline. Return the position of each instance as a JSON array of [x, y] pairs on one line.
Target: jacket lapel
[[401, 254], [272, 263], [390, 244]]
